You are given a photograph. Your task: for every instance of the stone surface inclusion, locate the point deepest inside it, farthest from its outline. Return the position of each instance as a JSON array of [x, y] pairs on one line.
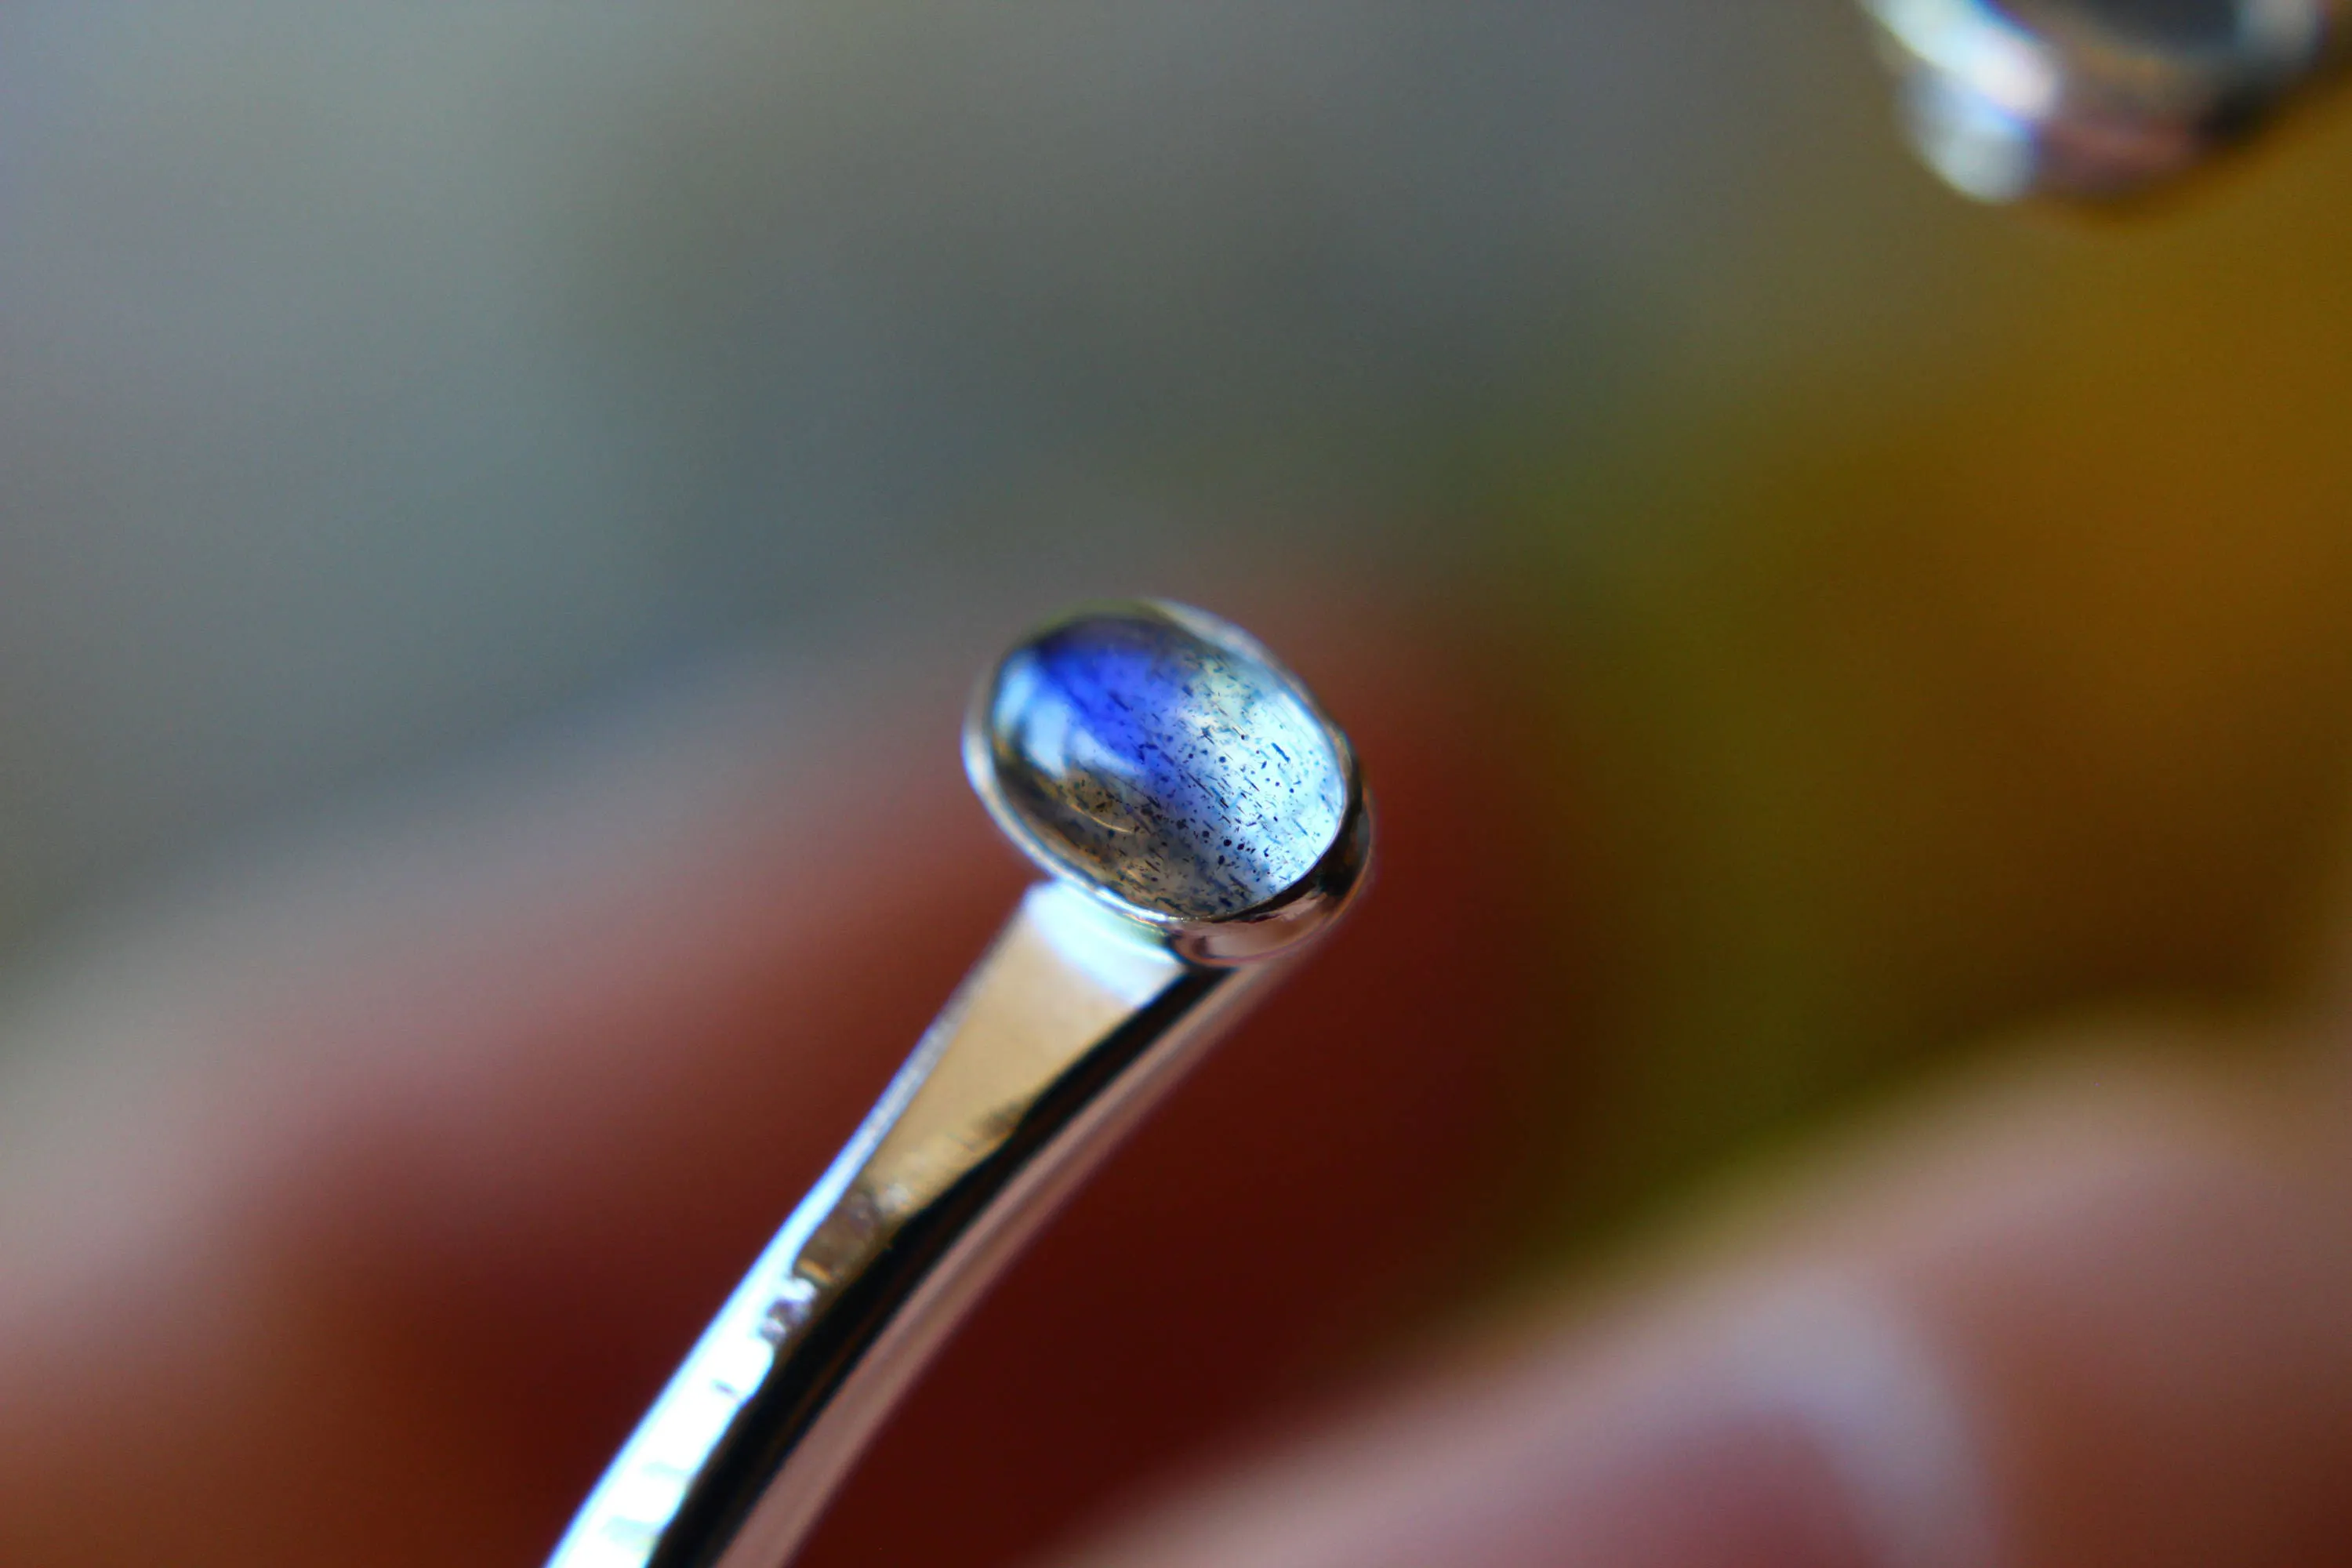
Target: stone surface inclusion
[[1186, 776]]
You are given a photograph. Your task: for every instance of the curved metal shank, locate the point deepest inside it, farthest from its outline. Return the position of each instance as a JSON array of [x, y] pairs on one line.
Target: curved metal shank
[[1059, 1037]]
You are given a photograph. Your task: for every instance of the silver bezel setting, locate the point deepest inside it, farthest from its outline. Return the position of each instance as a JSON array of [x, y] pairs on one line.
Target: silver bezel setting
[[1298, 912]]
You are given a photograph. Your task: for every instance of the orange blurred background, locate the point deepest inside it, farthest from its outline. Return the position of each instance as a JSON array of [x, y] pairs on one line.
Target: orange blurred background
[[497, 512]]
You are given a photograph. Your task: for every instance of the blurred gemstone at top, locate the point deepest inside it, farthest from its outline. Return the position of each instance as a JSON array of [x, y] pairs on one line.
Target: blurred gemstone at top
[[1186, 776]]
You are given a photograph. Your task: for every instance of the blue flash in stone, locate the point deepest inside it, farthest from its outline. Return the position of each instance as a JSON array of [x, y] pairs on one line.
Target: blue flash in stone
[[1155, 755]]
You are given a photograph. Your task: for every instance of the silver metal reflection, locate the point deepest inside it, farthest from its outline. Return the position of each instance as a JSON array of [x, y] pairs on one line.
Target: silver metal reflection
[[2097, 100], [1121, 747]]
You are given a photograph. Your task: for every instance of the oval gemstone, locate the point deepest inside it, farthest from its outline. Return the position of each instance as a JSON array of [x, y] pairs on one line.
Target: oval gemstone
[[2095, 100], [1183, 773]]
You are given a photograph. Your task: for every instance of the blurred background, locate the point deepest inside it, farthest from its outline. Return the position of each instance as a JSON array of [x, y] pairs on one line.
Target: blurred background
[[1854, 625]]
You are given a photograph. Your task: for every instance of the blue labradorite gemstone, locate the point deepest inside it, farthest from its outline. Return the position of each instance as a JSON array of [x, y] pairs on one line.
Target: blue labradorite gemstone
[[1153, 758]]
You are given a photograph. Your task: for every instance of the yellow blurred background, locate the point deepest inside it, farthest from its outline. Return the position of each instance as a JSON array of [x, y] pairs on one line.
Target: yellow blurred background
[[1912, 622]]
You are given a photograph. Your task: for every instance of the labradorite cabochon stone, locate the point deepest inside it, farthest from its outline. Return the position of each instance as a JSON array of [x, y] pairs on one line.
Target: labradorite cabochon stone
[[1158, 757]]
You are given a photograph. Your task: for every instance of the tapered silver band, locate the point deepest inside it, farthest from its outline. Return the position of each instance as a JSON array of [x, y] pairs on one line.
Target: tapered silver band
[[1079, 1017]]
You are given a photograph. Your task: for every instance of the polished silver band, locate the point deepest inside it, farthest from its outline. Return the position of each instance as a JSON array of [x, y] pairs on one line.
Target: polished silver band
[[1082, 1013]]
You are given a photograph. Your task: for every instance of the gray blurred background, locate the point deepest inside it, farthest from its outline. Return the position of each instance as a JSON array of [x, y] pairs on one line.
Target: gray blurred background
[[466, 472], [373, 379], [1935, 615]]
